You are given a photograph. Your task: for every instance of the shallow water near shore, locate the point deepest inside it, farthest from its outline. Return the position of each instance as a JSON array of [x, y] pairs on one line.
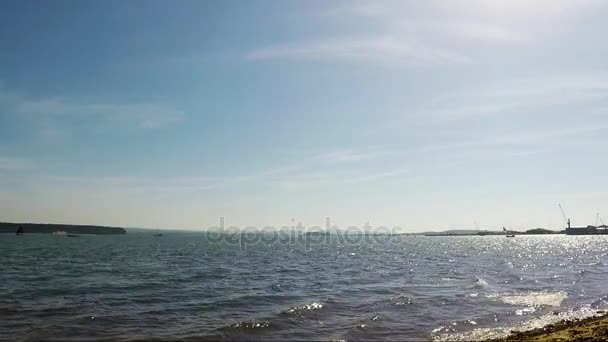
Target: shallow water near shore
[[187, 286]]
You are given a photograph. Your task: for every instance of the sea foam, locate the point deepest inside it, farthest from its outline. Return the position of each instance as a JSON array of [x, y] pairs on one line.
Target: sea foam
[[533, 298]]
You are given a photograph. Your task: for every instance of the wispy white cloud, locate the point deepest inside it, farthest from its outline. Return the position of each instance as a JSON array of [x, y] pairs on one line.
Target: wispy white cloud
[[580, 85], [516, 95], [333, 178], [176, 184], [377, 176], [457, 36], [491, 21], [538, 138], [530, 10], [382, 50], [514, 146], [307, 173], [344, 156], [14, 164], [409, 33], [136, 187], [143, 184], [435, 21], [142, 115], [338, 166]]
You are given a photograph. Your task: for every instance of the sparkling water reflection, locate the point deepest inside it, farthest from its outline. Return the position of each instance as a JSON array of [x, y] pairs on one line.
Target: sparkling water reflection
[[183, 286]]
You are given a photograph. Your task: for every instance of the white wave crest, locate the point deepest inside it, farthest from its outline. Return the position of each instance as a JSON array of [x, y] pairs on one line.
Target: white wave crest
[[311, 306], [533, 298], [480, 283], [482, 334]]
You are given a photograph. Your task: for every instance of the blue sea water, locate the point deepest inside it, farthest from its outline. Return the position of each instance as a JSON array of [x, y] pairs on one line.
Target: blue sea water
[[189, 286]]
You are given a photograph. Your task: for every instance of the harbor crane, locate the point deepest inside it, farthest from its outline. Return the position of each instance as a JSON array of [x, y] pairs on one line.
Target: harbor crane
[[598, 220], [566, 219]]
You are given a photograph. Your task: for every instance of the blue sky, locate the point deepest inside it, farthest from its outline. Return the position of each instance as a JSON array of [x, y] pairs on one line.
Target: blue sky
[[421, 114]]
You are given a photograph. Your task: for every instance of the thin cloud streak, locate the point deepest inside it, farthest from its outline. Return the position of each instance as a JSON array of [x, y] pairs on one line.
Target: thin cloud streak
[[544, 138], [386, 51], [143, 185], [11, 164], [492, 21], [377, 176], [513, 96], [344, 156], [446, 32], [164, 184], [307, 181], [141, 115], [280, 173]]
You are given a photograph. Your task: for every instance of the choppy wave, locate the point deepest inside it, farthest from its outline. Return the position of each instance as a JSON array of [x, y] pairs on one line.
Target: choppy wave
[[480, 283], [303, 310], [251, 325], [403, 300], [185, 287], [239, 329], [276, 320]]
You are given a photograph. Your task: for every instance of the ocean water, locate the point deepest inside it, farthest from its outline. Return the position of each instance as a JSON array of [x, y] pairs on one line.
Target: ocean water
[[188, 286]]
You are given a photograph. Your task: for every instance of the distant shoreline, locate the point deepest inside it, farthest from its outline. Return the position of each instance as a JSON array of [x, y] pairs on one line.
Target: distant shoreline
[[535, 231], [48, 228]]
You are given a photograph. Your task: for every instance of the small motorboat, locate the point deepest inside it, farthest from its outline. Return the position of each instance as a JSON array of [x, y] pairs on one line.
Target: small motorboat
[[158, 235], [72, 235], [509, 234]]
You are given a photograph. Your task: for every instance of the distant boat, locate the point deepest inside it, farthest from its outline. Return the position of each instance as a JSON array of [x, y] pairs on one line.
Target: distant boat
[[19, 231], [510, 235], [158, 235], [72, 235]]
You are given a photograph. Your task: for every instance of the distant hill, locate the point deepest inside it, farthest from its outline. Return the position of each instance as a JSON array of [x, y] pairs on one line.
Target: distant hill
[[542, 231], [37, 228]]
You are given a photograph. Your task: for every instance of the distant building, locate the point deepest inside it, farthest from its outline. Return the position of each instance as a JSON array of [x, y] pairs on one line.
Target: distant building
[[589, 230]]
